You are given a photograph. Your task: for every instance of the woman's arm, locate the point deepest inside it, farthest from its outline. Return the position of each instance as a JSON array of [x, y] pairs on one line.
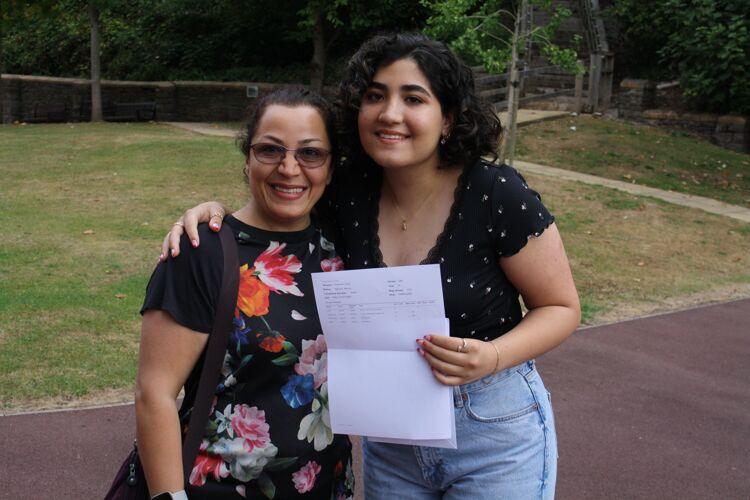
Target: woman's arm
[[210, 211], [168, 353], [541, 274]]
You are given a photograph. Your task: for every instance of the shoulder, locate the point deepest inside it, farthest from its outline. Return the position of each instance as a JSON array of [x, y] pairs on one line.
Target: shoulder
[[497, 176], [209, 249]]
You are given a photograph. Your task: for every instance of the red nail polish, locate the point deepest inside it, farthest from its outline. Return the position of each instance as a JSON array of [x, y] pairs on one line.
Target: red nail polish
[[174, 252]]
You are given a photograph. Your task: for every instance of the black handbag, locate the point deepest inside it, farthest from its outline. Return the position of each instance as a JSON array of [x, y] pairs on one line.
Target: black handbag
[[130, 481]]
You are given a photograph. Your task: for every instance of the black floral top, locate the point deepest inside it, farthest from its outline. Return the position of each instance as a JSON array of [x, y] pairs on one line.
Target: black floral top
[[494, 214], [268, 434]]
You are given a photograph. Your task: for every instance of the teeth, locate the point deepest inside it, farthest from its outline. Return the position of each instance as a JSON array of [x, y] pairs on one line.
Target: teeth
[[393, 137], [288, 190]]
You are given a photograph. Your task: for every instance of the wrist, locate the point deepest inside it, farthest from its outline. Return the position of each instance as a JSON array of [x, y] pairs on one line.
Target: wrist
[[497, 356], [171, 495]]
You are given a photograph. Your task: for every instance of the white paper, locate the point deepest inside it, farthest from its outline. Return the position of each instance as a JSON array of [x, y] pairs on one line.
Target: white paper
[[378, 385]]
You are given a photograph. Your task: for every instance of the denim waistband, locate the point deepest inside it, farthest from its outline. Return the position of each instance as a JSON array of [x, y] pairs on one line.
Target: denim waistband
[[460, 391]]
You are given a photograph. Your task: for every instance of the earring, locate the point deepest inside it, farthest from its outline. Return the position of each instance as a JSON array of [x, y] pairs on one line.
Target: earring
[[443, 140]]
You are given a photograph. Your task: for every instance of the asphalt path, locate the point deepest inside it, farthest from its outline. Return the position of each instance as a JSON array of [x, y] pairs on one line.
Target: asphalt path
[[656, 407]]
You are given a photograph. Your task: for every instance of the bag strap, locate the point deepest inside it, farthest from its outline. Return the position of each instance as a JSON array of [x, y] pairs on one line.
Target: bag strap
[[215, 351]]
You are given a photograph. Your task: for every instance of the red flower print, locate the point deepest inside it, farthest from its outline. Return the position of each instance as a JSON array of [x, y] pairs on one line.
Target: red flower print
[[206, 464], [304, 479], [271, 343], [252, 297], [334, 264], [275, 270], [249, 424]]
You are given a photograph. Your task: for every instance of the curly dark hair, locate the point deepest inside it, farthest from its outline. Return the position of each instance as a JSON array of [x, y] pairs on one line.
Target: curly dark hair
[[292, 96], [475, 131]]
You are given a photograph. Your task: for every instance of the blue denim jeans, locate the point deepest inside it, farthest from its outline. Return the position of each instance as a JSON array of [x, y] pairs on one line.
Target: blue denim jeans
[[507, 448]]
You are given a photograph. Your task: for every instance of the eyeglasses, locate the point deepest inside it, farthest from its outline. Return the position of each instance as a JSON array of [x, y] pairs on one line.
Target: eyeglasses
[[273, 154]]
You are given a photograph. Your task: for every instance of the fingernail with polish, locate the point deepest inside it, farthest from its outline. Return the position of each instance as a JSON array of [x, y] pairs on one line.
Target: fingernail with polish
[[420, 351], [173, 252], [194, 243]]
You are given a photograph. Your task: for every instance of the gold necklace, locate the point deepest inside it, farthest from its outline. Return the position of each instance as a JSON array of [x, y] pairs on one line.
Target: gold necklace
[[398, 208]]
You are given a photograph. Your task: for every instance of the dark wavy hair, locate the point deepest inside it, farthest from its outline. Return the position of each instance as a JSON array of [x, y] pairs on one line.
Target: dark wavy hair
[[475, 131], [291, 96]]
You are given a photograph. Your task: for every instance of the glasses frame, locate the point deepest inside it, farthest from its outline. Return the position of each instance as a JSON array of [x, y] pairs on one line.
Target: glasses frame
[[288, 150]]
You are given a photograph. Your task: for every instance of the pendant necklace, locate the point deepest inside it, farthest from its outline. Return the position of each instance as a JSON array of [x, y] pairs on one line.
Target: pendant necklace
[[398, 208]]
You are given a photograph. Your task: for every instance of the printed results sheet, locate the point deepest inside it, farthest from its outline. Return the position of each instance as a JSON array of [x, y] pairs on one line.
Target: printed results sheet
[[378, 385]]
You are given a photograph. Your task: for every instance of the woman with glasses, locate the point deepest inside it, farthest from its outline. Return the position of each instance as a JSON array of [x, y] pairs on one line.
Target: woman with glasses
[[418, 188], [268, 434]]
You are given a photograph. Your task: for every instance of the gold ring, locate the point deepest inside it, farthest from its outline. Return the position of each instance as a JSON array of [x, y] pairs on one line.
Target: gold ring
[[462, 346], [179, 223], [217, 214]]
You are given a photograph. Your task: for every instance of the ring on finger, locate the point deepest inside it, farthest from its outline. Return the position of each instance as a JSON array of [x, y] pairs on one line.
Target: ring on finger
[[217, 214], [179, 223], [462, 346]]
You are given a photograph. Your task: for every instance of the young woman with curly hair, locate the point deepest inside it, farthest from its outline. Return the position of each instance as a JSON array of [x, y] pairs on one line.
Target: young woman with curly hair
[[420, 185]]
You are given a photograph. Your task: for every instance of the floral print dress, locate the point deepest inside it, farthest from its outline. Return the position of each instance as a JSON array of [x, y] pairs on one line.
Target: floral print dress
[[269, 433]]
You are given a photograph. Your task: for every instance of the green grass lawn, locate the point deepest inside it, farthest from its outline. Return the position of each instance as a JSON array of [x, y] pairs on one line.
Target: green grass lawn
[[83, 209], [638, 153]]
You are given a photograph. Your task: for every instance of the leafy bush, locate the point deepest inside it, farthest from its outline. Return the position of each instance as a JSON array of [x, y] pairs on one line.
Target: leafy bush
[[705, 44]]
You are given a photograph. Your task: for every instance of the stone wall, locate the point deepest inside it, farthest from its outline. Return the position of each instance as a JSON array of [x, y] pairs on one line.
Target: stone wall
[[662, 105], [21, 95]]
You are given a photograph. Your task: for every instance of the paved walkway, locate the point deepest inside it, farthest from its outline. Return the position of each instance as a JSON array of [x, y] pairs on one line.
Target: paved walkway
[[655, 407], [686, 200], [528, 116]]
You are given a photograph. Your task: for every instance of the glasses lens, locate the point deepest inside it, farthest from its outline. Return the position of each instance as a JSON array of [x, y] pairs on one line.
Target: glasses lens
[[312, 157], [268, 153]]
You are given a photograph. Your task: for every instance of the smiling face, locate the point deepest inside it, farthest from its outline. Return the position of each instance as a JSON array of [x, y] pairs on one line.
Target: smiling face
[[283, 194], [400, 119]]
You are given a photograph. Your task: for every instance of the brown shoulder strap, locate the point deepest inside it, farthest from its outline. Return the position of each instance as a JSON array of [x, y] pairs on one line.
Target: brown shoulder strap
[[215, 350]]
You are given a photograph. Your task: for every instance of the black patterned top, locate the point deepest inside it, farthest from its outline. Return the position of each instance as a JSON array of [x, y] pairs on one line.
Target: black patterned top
[[268, 435], [494, 213]]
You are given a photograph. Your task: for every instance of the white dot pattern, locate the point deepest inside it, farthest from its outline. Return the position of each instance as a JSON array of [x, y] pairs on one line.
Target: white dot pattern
[[493, 215]]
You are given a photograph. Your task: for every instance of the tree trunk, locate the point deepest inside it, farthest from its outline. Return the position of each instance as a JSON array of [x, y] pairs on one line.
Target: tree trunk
[[96, 87], [318, 62], [509, 144]]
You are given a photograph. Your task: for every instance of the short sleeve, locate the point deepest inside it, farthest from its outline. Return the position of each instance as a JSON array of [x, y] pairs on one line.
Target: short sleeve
[[517, 212], [187, 287]]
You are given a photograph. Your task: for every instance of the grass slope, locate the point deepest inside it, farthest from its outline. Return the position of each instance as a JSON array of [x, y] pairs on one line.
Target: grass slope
[[641, 154]]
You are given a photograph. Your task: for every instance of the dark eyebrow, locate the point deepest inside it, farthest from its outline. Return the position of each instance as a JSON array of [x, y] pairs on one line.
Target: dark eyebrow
[[411, 87], [272, 139], [278, 141]]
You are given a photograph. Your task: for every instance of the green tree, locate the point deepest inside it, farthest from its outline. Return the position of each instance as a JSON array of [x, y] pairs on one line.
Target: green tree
[[705, 44], [493, 33], [262, 40], [482, 31], [325, 22]]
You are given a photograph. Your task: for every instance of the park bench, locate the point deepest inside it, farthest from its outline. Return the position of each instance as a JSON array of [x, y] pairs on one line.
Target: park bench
[[129, 111], [47, 113]]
